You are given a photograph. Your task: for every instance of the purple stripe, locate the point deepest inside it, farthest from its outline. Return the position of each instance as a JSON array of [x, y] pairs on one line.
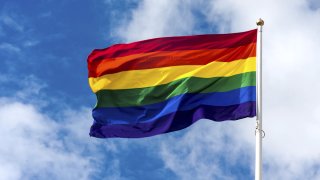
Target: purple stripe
[[174, 121]]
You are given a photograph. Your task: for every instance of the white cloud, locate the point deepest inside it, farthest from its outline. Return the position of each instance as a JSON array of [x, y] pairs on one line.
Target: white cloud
[[291, 69], [22, 28], [34, 145], [31, 43], [30, 86], [202, 151], [24, 89], [10, 48], [31, 147], [39, 144], [11, 22], [157, 18]]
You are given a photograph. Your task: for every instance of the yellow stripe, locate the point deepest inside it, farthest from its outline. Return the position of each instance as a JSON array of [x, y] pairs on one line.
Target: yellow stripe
[[156, 76]]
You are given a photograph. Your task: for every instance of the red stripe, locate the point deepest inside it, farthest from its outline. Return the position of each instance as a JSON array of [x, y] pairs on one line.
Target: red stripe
[[169, 58], [212, 41]]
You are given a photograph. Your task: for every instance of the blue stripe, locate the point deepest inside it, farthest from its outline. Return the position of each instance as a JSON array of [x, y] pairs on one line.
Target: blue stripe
[[174, 121], [184, 102]]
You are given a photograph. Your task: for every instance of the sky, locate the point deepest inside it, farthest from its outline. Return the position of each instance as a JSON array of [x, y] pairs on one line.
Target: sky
[[46, 102]]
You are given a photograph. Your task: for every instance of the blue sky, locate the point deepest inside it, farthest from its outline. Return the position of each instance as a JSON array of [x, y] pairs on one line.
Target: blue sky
[[45, 99]]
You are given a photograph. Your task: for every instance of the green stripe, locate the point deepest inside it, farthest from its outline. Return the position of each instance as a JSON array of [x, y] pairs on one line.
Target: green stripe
[[155, 94]]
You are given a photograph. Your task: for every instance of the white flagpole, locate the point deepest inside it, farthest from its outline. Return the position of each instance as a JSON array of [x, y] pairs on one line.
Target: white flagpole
[[259, 132]]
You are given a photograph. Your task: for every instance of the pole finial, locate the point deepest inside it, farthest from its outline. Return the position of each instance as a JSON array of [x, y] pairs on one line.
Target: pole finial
[[260, 22]]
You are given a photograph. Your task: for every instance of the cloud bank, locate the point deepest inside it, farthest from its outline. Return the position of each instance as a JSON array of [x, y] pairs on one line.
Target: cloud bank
[[32, 148], [291, 67], [37, 144]]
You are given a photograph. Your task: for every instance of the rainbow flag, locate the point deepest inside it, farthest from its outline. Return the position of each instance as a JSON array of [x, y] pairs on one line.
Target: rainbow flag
[[166, 84]]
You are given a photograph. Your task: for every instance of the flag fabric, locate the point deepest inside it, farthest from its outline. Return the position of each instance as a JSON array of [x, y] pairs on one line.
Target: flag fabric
[[166, 84]]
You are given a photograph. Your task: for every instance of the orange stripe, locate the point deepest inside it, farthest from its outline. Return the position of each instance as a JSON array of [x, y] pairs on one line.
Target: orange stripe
[[169, 58]]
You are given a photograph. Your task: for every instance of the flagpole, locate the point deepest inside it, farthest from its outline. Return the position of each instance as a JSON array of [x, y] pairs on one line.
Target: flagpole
[[259, 132]]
